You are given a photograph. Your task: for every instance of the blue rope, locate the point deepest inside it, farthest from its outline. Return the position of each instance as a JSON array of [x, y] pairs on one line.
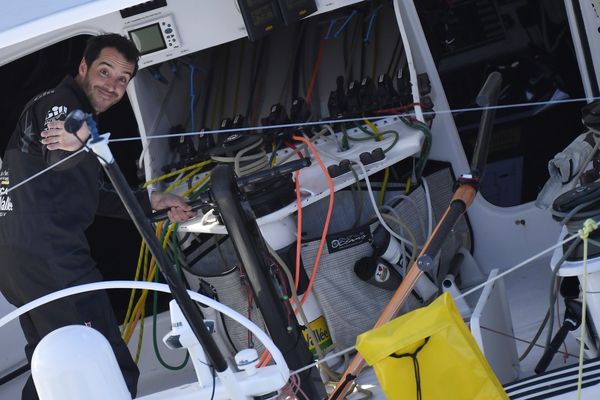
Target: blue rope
[[371, 21]]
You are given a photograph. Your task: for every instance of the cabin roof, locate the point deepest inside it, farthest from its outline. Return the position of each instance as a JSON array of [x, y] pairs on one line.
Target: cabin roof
[[25, 19]]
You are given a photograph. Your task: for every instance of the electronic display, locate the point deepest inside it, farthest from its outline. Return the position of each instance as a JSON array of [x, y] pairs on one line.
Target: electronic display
[[148, 39], [260, 17]]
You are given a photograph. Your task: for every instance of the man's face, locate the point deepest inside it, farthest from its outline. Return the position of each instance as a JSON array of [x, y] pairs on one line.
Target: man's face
[[104, 82]]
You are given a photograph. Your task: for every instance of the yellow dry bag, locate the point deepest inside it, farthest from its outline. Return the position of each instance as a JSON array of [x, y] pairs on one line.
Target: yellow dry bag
[[429, 354]]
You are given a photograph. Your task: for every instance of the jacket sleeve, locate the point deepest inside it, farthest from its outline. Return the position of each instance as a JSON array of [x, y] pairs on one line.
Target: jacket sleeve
[[110, 204]]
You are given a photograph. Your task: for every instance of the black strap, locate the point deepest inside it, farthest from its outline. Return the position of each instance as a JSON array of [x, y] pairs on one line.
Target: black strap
[[414, 355]]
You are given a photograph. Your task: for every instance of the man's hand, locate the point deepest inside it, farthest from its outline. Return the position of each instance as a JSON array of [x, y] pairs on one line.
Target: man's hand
[[180, 211], [56, 138]]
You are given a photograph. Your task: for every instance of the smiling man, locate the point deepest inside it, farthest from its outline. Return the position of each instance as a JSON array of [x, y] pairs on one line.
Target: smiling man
[[43, 247]]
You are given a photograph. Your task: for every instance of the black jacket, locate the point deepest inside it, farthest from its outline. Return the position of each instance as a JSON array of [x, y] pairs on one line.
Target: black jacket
[[48, 216]]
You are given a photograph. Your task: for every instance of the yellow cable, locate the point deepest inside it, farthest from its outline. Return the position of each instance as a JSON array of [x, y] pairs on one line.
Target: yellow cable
[[170, 174], [138, 351], [386, 176], [137, 274], [182, 180], [196, 185], [134, 313], [374, 129], [144, 294], [588, 226], [145, 251]]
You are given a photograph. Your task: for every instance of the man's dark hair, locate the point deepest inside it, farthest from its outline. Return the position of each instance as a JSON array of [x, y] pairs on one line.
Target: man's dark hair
[[95, 44]]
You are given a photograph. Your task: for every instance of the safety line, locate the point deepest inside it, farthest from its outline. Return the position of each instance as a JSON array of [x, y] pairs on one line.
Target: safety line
[[46, 170], [361, 118], [516, 267]]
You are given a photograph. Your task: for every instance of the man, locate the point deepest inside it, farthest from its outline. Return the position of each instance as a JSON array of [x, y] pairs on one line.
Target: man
[[43, 247]]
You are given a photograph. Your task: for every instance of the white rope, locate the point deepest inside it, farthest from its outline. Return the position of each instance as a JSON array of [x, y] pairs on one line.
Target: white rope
[[32, 177], [516, 267], [357, 119]]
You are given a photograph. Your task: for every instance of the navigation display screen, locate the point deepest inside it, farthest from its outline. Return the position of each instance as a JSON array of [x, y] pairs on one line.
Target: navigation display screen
[[148, 39]]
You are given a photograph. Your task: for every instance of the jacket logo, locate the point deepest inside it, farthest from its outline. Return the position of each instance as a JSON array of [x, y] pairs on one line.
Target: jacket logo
[[56, 113], [5, 201]]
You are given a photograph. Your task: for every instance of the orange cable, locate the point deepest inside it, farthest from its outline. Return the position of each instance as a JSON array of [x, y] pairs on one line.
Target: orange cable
[[266, 356], [327, 219], [299, 229]]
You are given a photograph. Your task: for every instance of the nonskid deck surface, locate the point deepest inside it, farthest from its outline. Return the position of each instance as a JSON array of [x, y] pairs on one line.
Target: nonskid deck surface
[[558, 382]]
